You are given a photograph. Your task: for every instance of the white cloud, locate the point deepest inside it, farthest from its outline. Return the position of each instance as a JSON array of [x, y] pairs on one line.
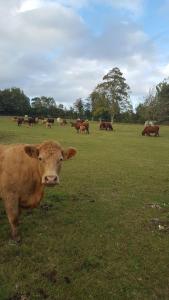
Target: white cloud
[[29, 5], [46, 48]]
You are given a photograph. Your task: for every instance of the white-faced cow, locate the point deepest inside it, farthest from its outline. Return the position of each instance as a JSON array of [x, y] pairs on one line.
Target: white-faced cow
[[25, 170]]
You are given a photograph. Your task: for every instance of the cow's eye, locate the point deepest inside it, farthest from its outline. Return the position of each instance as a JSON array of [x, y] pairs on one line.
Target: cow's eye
[[61, 158], [40, 158]]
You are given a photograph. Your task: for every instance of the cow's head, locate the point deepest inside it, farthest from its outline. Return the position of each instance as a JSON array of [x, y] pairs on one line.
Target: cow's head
[[50, 156]]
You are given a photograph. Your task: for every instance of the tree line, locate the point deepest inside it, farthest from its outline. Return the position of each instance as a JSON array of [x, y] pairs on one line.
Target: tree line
[[14, 102], [110, 100]]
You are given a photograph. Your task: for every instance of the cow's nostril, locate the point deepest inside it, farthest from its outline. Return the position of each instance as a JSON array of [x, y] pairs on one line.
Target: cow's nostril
[[46, 178]]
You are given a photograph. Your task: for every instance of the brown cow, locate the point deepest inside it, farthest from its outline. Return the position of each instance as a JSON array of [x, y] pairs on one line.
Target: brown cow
[[79, 123], [20, 121], [82, 129], [25, 170], [106, 125], [51, 120], [148, 130]]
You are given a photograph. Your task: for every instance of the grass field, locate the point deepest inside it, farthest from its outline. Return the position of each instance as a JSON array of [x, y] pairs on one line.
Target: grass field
[[95, 236]]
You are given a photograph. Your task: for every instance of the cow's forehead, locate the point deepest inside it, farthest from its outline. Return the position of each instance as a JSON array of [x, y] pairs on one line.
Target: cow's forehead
[[50, 148]]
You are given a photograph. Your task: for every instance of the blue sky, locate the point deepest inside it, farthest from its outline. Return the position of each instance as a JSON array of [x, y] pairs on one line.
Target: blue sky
[[63, 48]]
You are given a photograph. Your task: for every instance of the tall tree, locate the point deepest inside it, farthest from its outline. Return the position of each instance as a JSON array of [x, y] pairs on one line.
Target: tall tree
[[79, 107], [113, 93]]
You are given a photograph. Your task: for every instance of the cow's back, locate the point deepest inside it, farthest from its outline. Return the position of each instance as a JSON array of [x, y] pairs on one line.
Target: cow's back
[[152, 129]]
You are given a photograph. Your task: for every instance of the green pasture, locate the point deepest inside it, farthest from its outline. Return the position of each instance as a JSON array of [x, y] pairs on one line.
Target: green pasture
[[98, 235]]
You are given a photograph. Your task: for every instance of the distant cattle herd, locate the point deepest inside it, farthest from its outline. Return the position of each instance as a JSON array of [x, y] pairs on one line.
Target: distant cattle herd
[[81, 125]]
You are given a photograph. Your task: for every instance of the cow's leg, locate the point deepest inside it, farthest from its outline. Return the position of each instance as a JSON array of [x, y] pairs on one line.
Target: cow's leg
[[13, 211]]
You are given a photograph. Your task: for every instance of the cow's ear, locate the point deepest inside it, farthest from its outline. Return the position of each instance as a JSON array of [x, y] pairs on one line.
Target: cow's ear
[[68, 153], [32, 151]]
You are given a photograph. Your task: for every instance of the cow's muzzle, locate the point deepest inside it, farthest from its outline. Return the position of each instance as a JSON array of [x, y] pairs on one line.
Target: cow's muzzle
[[51, 180]]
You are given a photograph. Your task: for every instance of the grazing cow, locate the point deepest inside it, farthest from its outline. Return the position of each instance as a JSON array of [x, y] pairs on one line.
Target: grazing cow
[[30, 121], [76, 125], [47, 123], [51, 120], [25, 170], [104, 125], [148, 130], [82, 129], [20, 121], [79, 123], [86, 125]]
